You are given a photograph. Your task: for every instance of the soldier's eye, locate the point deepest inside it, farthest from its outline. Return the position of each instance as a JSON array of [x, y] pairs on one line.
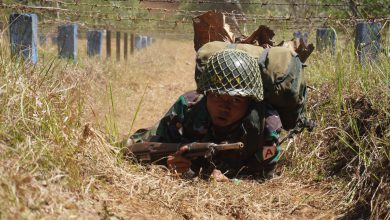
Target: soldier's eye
[[238, 100]]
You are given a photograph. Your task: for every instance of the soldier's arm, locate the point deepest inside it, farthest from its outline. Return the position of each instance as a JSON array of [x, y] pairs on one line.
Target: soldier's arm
[[269, 151]]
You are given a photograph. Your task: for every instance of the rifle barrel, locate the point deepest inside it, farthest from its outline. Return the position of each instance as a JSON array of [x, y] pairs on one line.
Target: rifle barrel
[[151, 151]]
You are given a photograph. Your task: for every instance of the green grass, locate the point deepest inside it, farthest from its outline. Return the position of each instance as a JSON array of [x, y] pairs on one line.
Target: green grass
[[351, 142]]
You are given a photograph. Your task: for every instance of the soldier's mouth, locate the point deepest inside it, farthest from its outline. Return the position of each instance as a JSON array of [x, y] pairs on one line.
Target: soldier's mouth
[[222, 118]]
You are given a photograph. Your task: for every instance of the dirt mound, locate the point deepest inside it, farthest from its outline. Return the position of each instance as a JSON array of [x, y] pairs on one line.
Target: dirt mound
[[365, 160], [356, 149]]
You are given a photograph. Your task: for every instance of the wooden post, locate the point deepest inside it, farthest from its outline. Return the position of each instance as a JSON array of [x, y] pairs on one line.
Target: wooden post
[[132, 43], [118, 46], [125, 45], [108, 43], [58, 12], [24, 36]]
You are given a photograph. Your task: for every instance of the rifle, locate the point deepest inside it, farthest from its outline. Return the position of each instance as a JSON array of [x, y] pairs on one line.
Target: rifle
[[153, 151]]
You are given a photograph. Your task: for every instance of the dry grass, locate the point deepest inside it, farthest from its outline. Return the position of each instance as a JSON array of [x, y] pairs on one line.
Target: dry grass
[[58, 123], [125, 189], [154, 78]]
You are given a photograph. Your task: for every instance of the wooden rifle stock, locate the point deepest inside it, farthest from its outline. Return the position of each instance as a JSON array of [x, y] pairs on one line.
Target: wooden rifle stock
[[152, 151]]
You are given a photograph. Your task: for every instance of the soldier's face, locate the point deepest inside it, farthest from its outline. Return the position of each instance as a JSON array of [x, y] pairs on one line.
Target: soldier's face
[[225, 110]]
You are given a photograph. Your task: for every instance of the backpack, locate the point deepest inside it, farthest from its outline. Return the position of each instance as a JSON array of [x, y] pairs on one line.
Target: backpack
[[281, 74]]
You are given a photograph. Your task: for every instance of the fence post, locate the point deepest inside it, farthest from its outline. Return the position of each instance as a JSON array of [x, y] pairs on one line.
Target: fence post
[[125, 45], [118, 46], [326, 38], [67, 41], [149, 40], [138, 42], [367, 41], [94, 43], [144, 41], [24, 36], [132, 43], [304, 36], [108, 43]]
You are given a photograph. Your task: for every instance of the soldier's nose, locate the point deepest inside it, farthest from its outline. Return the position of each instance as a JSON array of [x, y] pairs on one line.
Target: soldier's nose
[[225, 107]]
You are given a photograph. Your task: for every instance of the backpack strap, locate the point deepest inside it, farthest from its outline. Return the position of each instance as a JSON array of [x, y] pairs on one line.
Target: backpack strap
[[262, 60]]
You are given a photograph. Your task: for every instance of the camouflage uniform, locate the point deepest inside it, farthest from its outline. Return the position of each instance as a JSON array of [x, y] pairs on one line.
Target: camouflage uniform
[[189, 121]]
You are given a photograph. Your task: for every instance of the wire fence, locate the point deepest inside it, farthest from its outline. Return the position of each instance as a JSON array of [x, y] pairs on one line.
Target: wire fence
[[102, 16], [179, 19], [267, 3]]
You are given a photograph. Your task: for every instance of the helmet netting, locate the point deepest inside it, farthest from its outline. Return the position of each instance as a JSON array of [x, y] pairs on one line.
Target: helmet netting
[[232, 72]]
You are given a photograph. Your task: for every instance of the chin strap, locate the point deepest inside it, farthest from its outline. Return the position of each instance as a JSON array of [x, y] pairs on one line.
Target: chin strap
[[303, 123]]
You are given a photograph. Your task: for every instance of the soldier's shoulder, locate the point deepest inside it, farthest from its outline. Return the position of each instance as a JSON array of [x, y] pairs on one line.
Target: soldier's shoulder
[[272, 118], [192, 97]]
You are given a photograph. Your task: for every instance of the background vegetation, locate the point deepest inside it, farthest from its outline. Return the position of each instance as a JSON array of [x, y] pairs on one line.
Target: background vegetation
[[59, 123]]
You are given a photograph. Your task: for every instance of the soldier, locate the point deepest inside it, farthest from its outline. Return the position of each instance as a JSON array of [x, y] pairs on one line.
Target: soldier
[[227, 107]]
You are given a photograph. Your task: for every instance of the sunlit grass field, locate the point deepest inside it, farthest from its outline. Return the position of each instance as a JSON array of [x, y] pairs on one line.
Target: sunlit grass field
[[60, 123]]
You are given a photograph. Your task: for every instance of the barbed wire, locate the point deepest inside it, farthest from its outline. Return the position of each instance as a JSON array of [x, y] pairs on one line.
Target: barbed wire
[[170, 27], [189, 12], [110, 17], [27, 7], [253, 18], [161, 30], [266, 3], [86, 26], [262, 3], [117, 17], [185, 20]]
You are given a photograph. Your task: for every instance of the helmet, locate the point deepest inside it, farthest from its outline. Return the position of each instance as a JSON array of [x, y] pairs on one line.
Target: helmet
[[232, 72]]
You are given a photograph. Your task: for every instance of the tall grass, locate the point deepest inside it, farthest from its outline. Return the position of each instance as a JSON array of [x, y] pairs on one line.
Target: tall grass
[[40, 109], [351, 104]]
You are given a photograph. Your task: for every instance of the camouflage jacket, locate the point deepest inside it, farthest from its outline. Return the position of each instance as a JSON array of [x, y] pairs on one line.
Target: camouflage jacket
[[188, 121]]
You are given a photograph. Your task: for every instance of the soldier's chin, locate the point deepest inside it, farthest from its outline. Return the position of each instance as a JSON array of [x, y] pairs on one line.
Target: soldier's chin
[[220, 122]]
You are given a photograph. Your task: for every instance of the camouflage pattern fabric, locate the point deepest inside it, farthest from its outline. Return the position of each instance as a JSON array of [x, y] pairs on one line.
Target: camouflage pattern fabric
[[188, 121]]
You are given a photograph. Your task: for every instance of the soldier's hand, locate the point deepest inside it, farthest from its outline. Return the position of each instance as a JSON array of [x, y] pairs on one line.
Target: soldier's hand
[[177, 163], [218, 176]]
